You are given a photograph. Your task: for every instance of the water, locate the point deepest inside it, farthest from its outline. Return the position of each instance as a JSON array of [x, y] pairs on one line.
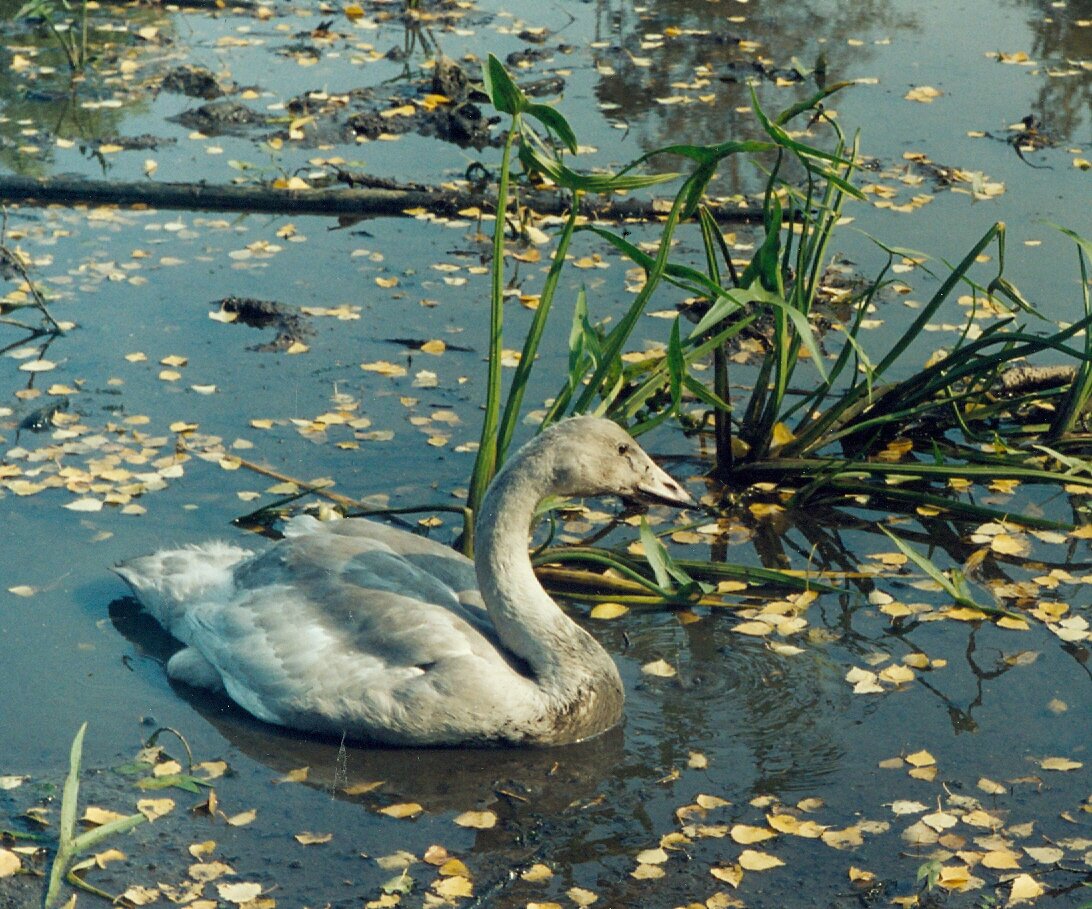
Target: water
[[737, 722]]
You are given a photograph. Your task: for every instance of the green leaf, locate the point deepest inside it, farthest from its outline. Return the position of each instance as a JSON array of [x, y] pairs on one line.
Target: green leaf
[[71, 794], [503, 93], [676, 364], [551, 118], [536, 160], [89, 839], [671, 578], [655, 555], [176, 780]]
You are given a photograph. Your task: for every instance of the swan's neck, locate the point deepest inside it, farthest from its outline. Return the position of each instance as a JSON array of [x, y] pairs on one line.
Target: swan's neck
[[561, 655]]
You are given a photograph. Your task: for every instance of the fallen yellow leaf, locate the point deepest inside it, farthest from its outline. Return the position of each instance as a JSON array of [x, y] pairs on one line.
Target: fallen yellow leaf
[[745, 834], [730, 874], [402, 810], [605, 611], [478, 820], [455, 887], [1024, 889], [98, 816], [9, 863], [753, 860], [1059, 763], [155, 808]]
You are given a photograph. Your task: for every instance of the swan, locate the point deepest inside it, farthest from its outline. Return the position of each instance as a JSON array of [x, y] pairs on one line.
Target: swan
[[351, 627]]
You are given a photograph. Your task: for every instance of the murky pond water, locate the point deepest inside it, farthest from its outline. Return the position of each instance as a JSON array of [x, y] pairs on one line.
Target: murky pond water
[[739, 735]]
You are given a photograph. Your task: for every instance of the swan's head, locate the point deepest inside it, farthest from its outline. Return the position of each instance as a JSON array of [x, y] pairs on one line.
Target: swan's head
[[592, 456]]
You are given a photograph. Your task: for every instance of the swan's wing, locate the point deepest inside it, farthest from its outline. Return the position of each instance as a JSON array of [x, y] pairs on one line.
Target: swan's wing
[[446, 565], [344, 654], [334, 631]]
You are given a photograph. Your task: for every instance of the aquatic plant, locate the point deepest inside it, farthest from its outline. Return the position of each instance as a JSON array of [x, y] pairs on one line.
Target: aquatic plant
[[824, 440], [70, 844], [67, 26]]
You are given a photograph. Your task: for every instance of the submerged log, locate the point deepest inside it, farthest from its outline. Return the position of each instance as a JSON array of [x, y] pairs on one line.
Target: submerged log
[[390, 199], [1027, 379]]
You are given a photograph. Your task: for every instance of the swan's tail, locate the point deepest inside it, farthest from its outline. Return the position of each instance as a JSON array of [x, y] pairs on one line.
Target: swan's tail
[[169, 581]]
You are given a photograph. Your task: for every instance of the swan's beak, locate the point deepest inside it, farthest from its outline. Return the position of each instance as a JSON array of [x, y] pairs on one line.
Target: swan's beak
[[656, 486]]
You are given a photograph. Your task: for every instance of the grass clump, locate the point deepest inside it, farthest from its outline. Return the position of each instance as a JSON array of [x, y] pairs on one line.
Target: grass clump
[[823, 416]]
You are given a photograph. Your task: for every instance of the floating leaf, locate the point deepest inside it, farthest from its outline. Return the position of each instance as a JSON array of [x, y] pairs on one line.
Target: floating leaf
[[924, 94], [980, 818], [452, 888], [363, 788], [242, 892], [647, 872], [757, 629], [652, 857], [1059, 763], [454, 867], [537, 873], [697, 761], [202, 849], [403, 883], [299, 775], [919, 834], [85, 504], [745, 834], [155, 808], [397, 860], [242, 818], [38, 366], [313, 839], [583, 898], [96, 817], [9, 863], [897, 675], [384, 368], [1045, 855], [849, 838], [212, 769], [606, 611], [140, 896], [730, 874], [864, 681], [1001, 859], [754, 860], [920, 759], [208, 871], [660, 668], [940, 820], [478, 820], [954, 877], [402, 810], [788, 823], [1024, 889]]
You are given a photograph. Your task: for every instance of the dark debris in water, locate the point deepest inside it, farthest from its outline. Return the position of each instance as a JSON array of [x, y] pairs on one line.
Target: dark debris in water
[[291, 327]]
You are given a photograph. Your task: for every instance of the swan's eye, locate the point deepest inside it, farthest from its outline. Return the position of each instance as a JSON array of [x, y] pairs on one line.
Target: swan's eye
[[623, 449]]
